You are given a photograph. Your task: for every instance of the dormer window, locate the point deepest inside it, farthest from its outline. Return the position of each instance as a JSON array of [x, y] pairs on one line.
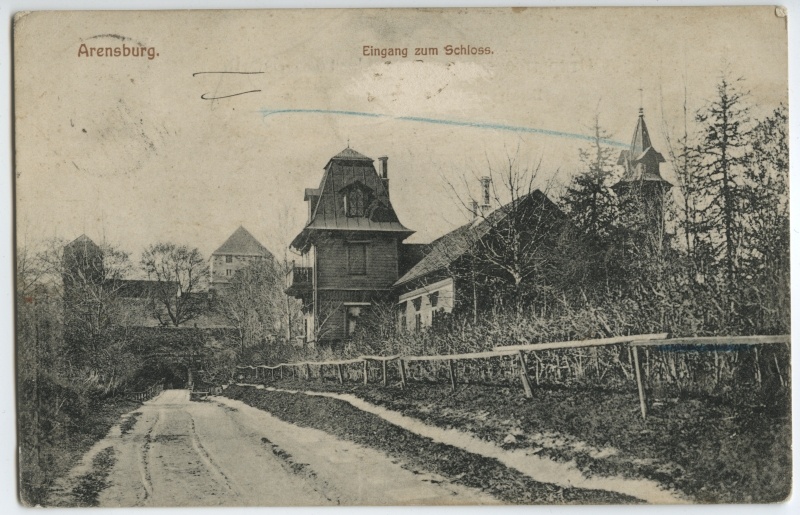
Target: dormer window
[[356, 198], [354, 202]]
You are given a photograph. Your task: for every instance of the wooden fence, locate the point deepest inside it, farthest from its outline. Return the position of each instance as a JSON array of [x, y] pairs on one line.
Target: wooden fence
[[149, 393], [520, 353]]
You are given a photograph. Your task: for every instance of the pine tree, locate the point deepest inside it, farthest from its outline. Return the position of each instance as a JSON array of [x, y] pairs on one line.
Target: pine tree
[[589, 200], [723, 153], [766, 226]]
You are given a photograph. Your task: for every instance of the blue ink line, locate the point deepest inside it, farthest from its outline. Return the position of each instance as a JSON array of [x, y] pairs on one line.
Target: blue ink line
[[438, 121], [268, 112]]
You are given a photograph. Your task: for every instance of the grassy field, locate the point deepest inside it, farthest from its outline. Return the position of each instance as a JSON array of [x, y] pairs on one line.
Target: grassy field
[[710, 450]]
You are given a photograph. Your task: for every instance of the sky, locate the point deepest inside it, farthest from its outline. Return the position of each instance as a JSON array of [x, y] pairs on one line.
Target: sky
[[126, 150]]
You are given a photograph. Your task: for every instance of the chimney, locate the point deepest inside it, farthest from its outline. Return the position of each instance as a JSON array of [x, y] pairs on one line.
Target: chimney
[[485, 194], [385, 171], [384, 167]]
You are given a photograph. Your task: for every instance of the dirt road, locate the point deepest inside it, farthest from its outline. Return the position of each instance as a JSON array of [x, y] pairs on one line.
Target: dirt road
[[221, 452]]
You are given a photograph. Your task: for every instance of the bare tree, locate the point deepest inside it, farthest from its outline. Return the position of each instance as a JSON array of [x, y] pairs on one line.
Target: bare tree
[[253, 301], [86, 277], [511, 243], [179, 273]]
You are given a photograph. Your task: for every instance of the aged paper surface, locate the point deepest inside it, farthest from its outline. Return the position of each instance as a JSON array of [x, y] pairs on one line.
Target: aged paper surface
[[391, 257]]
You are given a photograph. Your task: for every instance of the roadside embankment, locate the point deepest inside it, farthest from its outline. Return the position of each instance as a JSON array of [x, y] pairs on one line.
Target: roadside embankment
[[691, 448]]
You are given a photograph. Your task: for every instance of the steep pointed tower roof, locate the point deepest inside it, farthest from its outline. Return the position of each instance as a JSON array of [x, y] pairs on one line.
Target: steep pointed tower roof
[[641, 137], [242, 243], [641, 162]]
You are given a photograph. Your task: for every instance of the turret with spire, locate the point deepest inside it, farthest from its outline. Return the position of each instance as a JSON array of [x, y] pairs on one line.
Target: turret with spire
[[641, 177]]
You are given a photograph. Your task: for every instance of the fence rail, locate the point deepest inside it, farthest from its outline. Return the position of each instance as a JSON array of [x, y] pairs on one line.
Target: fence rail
[[713, 340], [149, 393], [597, 342], [633, 342]]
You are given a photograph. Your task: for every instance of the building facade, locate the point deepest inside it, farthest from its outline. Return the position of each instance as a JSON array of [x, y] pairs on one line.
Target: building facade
[[454, 274], [238, 251], [350, 248]]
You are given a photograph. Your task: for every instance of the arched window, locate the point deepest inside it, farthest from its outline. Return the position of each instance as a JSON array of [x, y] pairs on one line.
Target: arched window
[[355, 202]]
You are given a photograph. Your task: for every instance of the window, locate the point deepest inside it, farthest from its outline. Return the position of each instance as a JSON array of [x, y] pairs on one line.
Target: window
[[403, 319], [351, 319], [229, 272], [355, 202], [417, 303], [418, 322], [229, 259], [437, 316], [357, 258], [433, 298]]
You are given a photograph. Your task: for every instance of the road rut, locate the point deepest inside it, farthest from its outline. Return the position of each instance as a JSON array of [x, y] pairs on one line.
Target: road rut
[[221, 452]]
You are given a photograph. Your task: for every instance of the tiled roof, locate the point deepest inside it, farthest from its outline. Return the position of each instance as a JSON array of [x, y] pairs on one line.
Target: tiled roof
[[441, 253], [242, 243]]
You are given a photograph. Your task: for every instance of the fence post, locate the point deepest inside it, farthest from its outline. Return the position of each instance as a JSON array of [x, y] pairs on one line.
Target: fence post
[[383, 367], [366, 375], [402, 373], [758, 366], [639, 385], [308, 372], [281, 372], [523, 374], [339, 371], [778, 370], [452, 374]]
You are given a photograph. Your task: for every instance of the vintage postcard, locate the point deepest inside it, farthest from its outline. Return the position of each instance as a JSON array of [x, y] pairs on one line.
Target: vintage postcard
[[402, 257]]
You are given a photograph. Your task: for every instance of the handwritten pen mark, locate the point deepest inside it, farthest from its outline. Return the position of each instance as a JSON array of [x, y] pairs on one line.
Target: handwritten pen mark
[[204, 97], [115, 36]]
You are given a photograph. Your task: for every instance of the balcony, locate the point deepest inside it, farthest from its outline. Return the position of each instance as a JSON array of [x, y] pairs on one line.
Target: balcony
[[298, 280]]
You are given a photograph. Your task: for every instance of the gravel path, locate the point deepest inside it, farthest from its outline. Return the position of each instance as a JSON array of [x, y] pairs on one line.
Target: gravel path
[[221, 452]]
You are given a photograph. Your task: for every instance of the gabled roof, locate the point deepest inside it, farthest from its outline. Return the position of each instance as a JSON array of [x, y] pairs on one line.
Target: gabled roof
[[345, 170], [444, 251], [242, 243]]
